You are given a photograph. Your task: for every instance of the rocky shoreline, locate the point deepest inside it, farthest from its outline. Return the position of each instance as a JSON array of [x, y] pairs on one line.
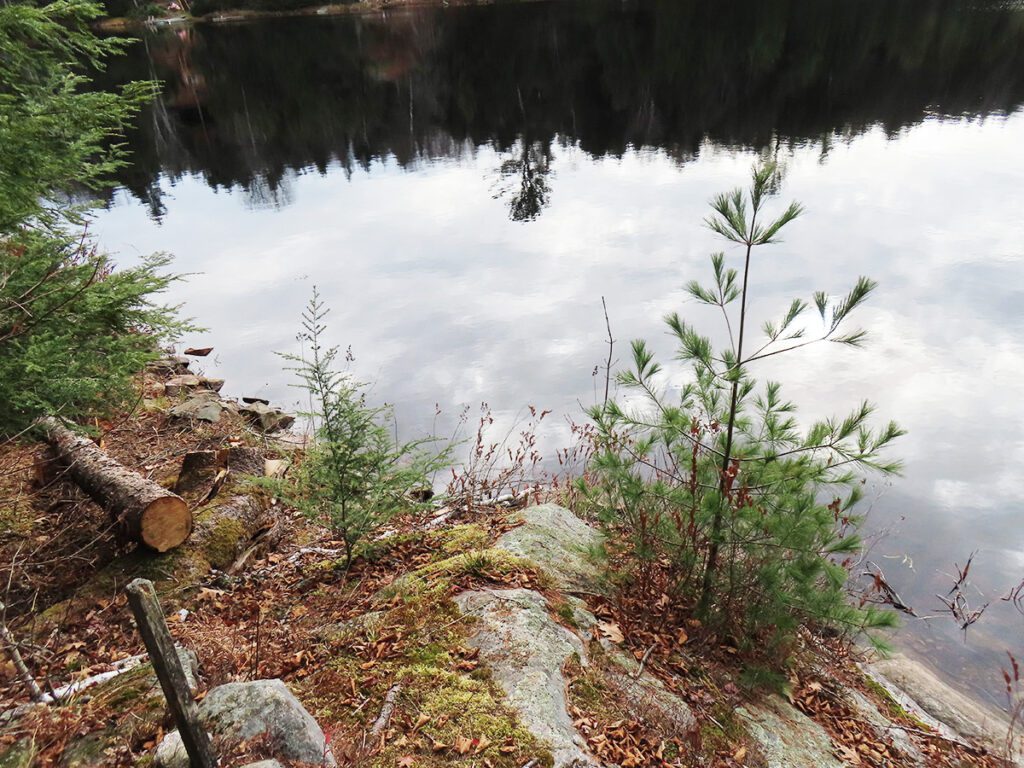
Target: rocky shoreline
[[121, 24], [479, 635]]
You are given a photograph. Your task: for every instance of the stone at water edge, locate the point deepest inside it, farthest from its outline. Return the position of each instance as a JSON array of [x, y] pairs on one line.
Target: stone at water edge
[[201, 407], [187, 382], [525, 649], [264, 764], [265, 417], [920, 691], [560, 543], [243, 711]]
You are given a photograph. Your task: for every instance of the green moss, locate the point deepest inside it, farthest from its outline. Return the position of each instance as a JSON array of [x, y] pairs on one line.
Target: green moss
[[20, 754], [460, 539], [156, 404], [565, 613], [220, 541], [480, 563], [589, 693], [16, 518], [438, 576], [723, 731], [428, 661], [460, 706], [86, 751], [890, 706], [443, 542]]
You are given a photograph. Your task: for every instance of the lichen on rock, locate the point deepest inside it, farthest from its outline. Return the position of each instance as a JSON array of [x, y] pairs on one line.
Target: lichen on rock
[[525, 650], [244, 711], [785, 737], [558, 542]]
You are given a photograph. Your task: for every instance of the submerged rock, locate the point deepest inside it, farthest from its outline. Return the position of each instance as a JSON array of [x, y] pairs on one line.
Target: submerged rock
[[560, 543], [525, 650], [243, 711]]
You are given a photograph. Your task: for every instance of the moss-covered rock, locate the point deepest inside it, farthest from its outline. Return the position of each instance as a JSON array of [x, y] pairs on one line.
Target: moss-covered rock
[[526, 650], [561, 544], [491, 563]]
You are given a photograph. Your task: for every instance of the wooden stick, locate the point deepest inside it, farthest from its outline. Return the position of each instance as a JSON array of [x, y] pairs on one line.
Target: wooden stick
[[385, 711], [153, 628], [643, 662], [11, 646]]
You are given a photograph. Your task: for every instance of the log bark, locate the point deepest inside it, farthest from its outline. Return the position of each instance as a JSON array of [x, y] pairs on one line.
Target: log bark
[[197, 476], [145, 512]]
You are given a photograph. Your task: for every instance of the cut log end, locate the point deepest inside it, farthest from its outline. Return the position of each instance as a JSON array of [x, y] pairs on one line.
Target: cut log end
[[165, 523]]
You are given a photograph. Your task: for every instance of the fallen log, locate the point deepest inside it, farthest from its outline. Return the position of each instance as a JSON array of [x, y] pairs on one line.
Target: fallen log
[[145, 512]]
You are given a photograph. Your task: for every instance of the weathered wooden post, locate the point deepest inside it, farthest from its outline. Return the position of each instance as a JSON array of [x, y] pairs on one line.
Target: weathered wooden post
[[153, 627]]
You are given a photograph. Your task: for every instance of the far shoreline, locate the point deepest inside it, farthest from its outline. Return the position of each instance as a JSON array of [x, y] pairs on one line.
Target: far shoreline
[[120, 24]]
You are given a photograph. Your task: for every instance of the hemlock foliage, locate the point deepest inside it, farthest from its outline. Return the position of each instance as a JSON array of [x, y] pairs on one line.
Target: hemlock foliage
[[724, 501], [355, 476], [73, 331]]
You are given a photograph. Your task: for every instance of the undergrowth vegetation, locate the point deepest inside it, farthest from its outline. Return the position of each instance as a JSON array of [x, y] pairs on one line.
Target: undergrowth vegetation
[[716, 495], [355, 475]]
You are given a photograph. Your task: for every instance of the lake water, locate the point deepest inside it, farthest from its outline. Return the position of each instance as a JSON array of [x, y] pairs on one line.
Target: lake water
[[464, 185]]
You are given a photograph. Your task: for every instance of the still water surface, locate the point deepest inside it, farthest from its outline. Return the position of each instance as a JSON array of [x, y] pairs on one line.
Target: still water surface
[[464, 185]]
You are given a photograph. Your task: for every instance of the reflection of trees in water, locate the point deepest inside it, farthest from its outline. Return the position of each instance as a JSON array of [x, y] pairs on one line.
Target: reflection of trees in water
[[261, 193], [245, 105], [522, 178]]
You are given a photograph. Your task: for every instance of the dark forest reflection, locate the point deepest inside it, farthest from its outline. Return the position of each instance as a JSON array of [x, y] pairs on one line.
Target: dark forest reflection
[[246, 105]]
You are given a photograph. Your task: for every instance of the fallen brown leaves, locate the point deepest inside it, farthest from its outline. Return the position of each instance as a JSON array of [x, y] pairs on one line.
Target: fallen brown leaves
[[626, 742], [859, 743]]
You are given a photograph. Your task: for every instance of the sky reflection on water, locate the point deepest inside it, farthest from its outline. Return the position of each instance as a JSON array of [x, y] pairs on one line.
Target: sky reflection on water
[[446, 300]]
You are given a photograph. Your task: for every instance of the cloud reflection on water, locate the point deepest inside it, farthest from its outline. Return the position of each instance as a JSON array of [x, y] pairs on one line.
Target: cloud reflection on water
[[445, 300]]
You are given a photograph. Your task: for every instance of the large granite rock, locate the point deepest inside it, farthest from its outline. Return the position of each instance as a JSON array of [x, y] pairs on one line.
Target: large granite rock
[[243, 711], [920, 691], [560, 543], [525, 650]]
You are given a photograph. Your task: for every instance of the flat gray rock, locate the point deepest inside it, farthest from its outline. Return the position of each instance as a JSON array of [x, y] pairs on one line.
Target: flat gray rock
[[560, 543], [243, 711], [924, 695], [524, 648], [200, 407], [786, 737]]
